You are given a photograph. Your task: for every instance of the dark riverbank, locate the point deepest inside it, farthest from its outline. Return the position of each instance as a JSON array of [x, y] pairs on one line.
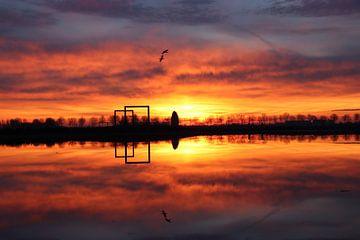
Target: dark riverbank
[[152, 132]]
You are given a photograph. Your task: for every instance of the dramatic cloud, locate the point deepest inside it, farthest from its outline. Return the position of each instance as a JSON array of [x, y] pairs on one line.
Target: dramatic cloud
[[11, 18], [316, 8], [184, 12], [225, 56], [103, 72], [282, 66]]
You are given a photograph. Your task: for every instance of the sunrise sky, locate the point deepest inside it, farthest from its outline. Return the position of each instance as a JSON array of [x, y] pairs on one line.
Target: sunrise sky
[[76, 58]]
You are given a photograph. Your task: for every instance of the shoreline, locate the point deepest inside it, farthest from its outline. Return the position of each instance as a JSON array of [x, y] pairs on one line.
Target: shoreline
[[155, 133]]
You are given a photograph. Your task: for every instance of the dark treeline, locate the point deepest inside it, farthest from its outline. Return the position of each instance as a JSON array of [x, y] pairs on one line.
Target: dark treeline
[[237, 119], [283, 118], [81, 122]]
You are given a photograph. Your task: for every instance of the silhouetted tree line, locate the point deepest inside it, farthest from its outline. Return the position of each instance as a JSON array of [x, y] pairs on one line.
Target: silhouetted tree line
[[242, 119], [282, 119], [81, 122]]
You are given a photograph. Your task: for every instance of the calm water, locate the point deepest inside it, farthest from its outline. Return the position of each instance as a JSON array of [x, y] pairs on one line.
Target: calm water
[[229, 187]]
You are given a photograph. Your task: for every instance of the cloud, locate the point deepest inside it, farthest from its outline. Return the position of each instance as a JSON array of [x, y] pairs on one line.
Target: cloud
[[346, 110], [74, 72], [98, 75], [315, 8], [276, 68], [133, 74], [182, 12], [14, 17]]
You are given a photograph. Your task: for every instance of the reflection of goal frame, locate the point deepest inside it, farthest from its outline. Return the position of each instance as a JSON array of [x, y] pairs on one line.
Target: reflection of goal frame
[[126, 156], [131, 107], [126, 152]]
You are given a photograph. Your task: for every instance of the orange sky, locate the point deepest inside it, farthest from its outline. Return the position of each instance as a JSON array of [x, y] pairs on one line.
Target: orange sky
[[196, 82], [76, 58]]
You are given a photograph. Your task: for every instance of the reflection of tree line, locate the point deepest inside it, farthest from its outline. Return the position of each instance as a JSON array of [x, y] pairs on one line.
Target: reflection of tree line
[[232, 139], [241, 119], [239, 139]]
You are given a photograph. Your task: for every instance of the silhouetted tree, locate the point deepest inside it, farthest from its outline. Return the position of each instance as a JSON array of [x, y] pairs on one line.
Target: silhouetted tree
[[117, 120], [300, 117], [101, 120], [312, 118], [72, 122], [346, 118], [93, 121], [251, 120], [36, 123], [174, 119], [356, 117], [209, 120], [323, 118], [166, 121], [135, 119], [81, 122], [60, 121], [334, 117], [155, 120], [50, 123], [144, 119], [15, 123], [286, 117]]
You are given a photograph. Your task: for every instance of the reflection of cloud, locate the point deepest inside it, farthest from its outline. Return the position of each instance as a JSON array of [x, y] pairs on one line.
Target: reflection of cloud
[[83, 183]]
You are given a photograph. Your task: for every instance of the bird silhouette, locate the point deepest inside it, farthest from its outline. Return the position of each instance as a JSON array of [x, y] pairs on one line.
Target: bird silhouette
[[165, 216], [162, 57]]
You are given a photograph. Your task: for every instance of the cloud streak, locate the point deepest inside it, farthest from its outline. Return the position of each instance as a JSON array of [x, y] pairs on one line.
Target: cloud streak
[[315, 8], [182, 12]]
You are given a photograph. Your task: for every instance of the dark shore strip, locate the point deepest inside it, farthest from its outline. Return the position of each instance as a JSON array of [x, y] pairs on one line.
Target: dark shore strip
[[154, 133]]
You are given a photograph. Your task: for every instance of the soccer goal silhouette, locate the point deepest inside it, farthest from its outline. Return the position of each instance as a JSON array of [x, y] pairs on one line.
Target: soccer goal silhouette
[[130, 109]]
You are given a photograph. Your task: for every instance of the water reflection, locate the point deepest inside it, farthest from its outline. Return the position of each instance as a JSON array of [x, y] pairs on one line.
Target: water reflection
[[219, 187], [126, 154], [175, 143]]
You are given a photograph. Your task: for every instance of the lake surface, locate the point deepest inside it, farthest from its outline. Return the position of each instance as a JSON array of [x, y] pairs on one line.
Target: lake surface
[[229, 187]]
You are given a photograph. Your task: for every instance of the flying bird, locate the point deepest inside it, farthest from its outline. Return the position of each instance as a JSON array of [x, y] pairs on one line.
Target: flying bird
[[162, 57], [165, 216]]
